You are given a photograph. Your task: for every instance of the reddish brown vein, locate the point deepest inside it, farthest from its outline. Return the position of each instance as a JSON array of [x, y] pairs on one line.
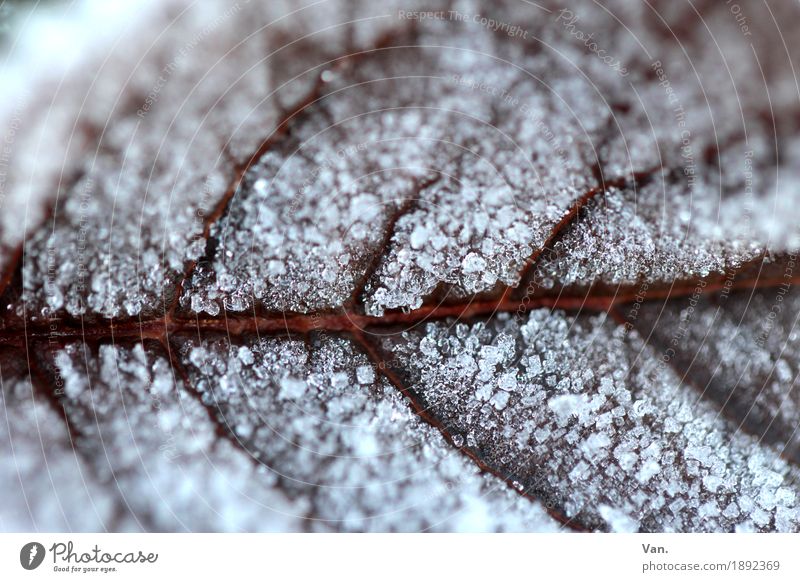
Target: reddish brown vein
[[280, 132], [422, 412]]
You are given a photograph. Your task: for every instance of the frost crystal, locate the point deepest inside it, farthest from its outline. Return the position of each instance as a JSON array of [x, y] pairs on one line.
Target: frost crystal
[[599, 428], [741, 351], [181, 96], [319, 157], [147, 438], [405, 134], [348, 442], [658, 233], [35, 440]]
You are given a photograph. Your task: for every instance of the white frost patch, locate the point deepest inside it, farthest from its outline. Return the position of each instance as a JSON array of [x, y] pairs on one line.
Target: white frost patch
[[348, 442]]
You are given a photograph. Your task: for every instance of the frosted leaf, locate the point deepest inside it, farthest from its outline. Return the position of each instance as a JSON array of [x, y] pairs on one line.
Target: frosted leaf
[[308, 43], [177, 105], [389, 165], [166, 134], [410, 134], [522, 171], [311, 213], [739, 350], [683, 101], [44, 485], [348, 443], [533, 132], [626, 447], [541, 118], [697, 113], [656, 234], [46, 133], [149, 439]]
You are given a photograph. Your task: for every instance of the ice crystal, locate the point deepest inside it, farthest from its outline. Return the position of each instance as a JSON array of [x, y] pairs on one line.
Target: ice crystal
[[147, 438], [334, 433], [182, 97], [44, 484], [741, 351], [601, 427], [315, 157]]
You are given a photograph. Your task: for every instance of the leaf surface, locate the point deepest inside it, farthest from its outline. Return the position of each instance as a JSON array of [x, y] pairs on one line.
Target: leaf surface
[[336, 266]]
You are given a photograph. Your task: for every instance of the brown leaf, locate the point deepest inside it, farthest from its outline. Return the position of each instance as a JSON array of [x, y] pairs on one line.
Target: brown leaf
[[338, 267]]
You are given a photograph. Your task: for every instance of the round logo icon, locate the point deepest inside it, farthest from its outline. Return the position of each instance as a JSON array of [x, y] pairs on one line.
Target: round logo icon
[[31, 555]]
